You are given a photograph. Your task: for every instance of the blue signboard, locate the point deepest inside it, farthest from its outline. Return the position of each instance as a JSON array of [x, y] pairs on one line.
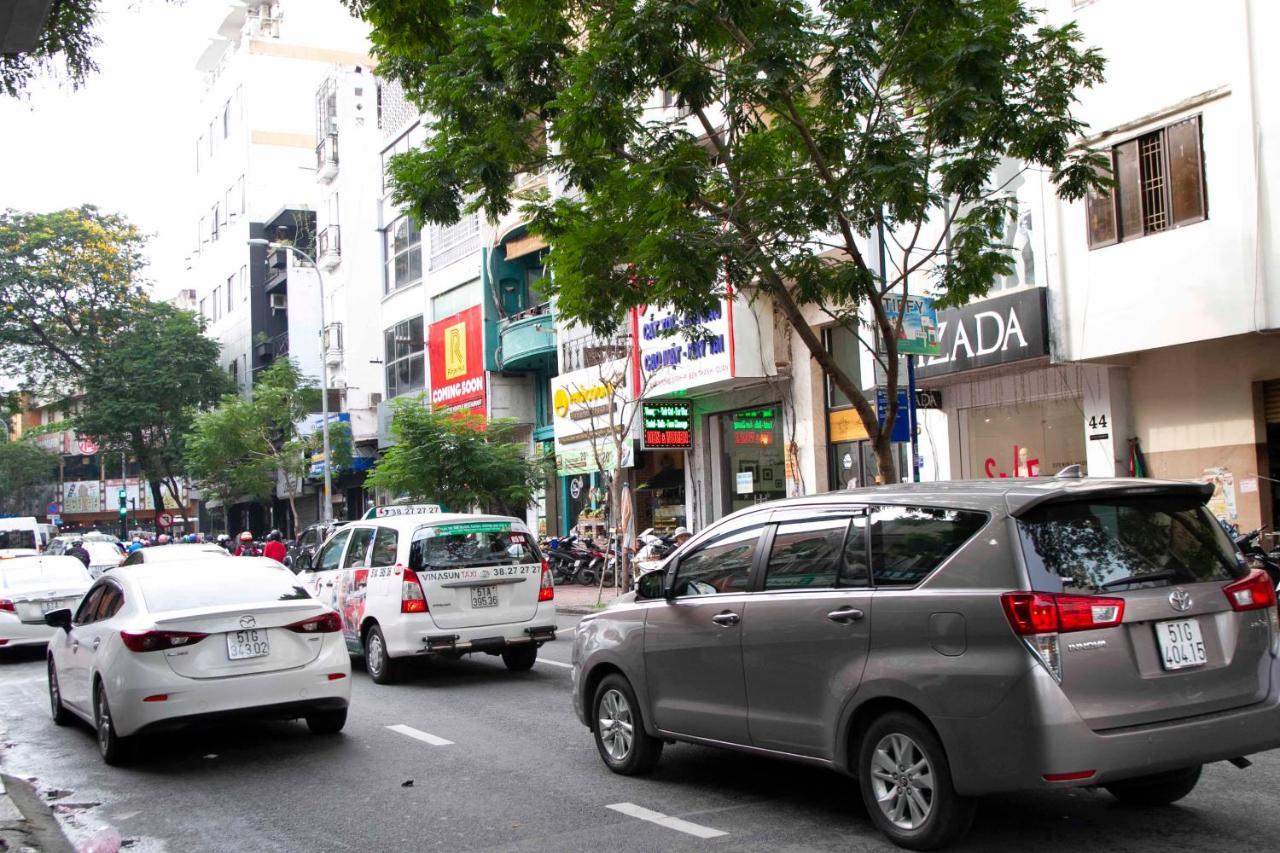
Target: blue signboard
[[902, 422]]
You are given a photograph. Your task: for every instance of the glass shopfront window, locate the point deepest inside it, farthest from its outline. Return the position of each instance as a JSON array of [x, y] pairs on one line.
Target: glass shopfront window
[[753, 456], [1024, 439]]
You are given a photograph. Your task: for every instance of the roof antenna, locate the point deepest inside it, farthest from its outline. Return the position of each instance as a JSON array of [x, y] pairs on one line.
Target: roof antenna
[[1071, 472]]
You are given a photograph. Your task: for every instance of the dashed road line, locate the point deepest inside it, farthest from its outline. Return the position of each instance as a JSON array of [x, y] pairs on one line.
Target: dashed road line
[[694, 829], [416, 734], [567, 630], [554, 663]]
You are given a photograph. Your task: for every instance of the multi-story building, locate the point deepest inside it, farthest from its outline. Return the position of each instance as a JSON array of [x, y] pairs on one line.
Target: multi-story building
[[255, 163]]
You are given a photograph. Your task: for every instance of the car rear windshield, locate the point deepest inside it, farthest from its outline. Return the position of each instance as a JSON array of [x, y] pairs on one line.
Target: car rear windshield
[[219, 586], [17, 539], [28, 571], [102, 553], [1123, 543], [483, 543]]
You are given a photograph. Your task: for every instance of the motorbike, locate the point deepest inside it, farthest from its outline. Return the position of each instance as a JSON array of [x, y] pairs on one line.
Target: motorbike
[[1250, 544]]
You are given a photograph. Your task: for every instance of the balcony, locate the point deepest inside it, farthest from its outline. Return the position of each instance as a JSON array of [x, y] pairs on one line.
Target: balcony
[[333, 344], [329, 247], [265, 352], [527, 341], [277, 269], [327, 158]]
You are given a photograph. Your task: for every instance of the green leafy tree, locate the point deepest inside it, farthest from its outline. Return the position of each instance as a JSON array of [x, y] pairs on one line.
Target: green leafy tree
[[458, 461], [799, 129], [217, 458], [69, 281], [29, 473], [66, 40], [144, 390]]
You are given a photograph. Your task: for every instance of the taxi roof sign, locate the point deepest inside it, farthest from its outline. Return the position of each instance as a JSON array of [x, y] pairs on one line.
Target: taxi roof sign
[[402, 509]]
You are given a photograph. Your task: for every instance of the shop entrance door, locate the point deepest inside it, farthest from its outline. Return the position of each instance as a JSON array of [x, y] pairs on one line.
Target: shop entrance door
[[853, 465]]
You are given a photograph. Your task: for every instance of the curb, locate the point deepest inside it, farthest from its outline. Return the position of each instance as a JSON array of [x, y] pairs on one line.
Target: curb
[[27, 821]]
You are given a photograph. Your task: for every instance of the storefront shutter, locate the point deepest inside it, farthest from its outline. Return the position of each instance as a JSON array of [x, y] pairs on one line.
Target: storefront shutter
[[1271, 401]]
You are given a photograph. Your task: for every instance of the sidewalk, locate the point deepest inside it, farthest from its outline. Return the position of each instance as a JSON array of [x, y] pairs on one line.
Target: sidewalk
[[26, 821], [581, 600]]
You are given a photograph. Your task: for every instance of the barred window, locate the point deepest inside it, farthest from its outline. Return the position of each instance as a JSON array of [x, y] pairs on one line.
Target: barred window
[[1159, 184]]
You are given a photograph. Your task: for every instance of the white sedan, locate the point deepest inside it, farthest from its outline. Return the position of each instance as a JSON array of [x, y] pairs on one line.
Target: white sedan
[[174, 553], [30, 587], [158, 647]]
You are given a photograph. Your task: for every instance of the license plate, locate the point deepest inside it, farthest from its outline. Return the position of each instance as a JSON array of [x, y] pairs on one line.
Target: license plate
[[242, 645], [484, 596], [1181, 645]]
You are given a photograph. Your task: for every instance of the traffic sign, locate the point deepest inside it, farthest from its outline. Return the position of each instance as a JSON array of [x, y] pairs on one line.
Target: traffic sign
[[88, 446], [54, 508], [164, 519]]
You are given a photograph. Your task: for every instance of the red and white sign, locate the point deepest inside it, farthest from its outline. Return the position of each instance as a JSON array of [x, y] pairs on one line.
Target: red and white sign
[[88, 446], [164, 519], [455, 355]]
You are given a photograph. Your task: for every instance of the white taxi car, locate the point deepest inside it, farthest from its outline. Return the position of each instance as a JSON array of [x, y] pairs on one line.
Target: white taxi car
[[32, 586], [410, 581], [158, 647]]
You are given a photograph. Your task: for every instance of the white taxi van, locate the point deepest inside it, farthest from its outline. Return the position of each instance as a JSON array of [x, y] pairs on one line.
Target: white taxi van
[[412, 581]]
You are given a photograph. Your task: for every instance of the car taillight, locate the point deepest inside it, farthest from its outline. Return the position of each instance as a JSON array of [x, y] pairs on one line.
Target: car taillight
[[547, 589], [1252, 592], [1045, 613], [7, 606], [1039, 617], [412, 598], [154, 641], [325, 623]]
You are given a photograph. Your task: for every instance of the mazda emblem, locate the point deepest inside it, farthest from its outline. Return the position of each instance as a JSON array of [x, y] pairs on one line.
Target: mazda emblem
[[1180, 600], [250, 622]]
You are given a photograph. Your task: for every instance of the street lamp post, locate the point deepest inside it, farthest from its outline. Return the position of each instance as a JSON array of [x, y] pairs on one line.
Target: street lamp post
[[327, 506]]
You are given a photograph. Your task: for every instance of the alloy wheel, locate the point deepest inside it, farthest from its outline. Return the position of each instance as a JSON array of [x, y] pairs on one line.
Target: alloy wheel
[[104, 721], [55, 695], [616, 731], [375, 654], [902, 779]]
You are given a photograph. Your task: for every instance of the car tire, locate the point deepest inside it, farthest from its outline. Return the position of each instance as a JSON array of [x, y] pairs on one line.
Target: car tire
[[626, 748], [520, 658], [906, 784], [382, 668], [1158, 789], [115, 750], [327, 722], [61, 716]]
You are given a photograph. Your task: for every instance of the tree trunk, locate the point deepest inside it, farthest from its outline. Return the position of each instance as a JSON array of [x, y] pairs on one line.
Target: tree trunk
[[293, 510], [157, 497]]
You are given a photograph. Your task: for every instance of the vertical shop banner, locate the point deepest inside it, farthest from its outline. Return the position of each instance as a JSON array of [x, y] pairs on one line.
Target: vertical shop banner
[[455, 351]]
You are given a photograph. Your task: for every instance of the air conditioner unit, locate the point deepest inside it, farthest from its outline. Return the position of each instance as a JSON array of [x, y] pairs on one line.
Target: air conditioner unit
[[279, 302]]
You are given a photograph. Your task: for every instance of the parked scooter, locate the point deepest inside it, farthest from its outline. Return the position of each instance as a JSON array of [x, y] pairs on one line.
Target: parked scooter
[[1250, 544]]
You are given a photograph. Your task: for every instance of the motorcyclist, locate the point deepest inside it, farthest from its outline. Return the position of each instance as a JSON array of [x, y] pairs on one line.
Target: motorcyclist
[[78, 551], [162, 539], [246, 547], [681, 536], [135, 545], [275, 547]]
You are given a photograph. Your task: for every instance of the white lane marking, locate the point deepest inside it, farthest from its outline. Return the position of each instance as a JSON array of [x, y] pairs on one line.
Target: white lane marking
[[567, 630], [660, 819], [410, 731], [554, 663]]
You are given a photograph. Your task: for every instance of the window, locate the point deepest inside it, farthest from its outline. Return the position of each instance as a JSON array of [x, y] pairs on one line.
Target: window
[[244, 283], [213, 222], [1116, 544], [908, 542], [455, 300], [722, 565], [229, 586], [385, 547], [217, 303], [460, 546], [204, 309], [231, 292], [110, 604], [842, 343], [1159, 184], [806, 555], [359, 548], [227, 207], [329, 555], [84, 614], [403, 241], [226, 120], [404, 358], [198, 143], [240, 191], [204, 234]]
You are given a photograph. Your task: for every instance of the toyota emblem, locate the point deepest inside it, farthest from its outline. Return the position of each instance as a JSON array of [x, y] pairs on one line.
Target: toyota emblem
[[1180, 600], [250, 622]]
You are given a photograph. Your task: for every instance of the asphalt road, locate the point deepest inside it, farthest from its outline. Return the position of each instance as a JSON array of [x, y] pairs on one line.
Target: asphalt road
[[520, 773]]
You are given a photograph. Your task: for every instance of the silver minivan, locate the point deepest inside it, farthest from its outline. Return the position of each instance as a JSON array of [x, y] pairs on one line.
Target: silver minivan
[[947, 640]]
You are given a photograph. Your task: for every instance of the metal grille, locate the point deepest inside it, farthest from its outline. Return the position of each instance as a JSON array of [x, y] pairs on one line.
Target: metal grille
[[452, 242], [1155, 208], [394, 109], [593, 350], [1271, 401]]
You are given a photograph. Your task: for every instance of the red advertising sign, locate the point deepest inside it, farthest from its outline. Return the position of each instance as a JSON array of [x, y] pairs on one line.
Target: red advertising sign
[[455, 352]]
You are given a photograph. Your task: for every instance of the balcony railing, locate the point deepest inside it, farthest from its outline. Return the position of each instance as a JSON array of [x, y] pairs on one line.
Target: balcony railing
[[327, 157], [593, 350], [333, 344], [329, 247]]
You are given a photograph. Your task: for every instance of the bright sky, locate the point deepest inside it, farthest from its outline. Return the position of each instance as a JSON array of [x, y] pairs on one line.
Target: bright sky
[[121, 142]]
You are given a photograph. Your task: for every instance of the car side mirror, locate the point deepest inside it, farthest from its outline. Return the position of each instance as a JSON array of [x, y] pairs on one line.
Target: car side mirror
[[651, 585], [59, 619]]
